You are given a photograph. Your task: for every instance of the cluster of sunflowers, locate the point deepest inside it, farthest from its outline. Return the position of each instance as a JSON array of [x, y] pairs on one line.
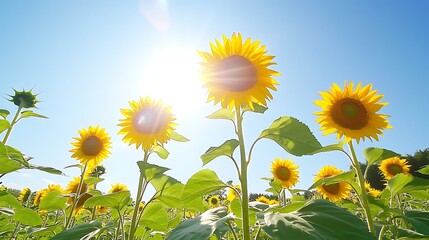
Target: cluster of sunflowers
[[237, 75]]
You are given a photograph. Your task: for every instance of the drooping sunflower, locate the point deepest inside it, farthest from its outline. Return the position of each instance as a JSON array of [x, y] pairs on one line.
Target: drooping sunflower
[[118, 187], [232, 194], [263, 199], [236, 72], [285, 171], [214, 201], [372, 191], [352, 113], [336, 191], [147, 124], [92, 146], [392, 166], [24, 194]]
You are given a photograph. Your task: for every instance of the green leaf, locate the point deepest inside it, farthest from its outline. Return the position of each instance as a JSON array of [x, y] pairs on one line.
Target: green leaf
[[4, 124], [222, 113], [47, 169], [27, 216], [373, 155], [11, 159], [7, 200], [177, 137], [345, 176], [155, 216], [293, 136], [256, 108], [74, 166], [4, 113], [415, 184], [81, 231], [53, 201], [419, 220], [201, 227], [288, 208], [151, 171], [29, 113], [424, 170], [226, 149], [113, 200], [317, 220], [161, 151], [93, 180], [168, 191], [396, 183], [200, 184]]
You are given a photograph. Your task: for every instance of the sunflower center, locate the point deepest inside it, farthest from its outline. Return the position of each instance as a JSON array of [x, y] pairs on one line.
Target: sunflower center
[[394, 169], [332, 188], [350, 113], [150, 121], [92, 146], [236, 73], [214, 201], [283, 173]]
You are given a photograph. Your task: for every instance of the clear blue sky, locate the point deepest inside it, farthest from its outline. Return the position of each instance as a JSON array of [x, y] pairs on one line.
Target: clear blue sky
[[87, 59]]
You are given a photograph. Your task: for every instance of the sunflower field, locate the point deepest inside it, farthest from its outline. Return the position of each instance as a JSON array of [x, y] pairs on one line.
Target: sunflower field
[[238, 76]]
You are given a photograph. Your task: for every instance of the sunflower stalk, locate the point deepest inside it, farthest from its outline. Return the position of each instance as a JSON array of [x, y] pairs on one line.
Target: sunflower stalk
[[364, 196], [76, 198], [14, 121]]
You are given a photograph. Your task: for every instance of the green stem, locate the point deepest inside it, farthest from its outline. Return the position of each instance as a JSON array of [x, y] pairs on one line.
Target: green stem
[[15, 231], [243, 178], [364, 196], [139, 197], [76, 197], [258, 232], [14, 120], [232, 230]]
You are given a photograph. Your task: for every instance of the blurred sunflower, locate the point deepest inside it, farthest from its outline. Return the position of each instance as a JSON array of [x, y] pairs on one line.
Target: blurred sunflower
[[285, 171], [117, 188], [102, 209], [72, 187], [237, 73], [336, 191], [214, 201], [352, 112], [39, 195], [24, 195], [263, 199], [92, 146], [273, 201], [80, 202], [392, 166], [232, 194], [147, 124], [372, 191]]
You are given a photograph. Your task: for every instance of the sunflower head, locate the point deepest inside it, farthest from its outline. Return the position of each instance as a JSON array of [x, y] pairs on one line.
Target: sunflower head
[[263, 199], [392, 166], [285, 171], [72, 187], [232, 193], [92, 146], [352, 113], [214, 201], [372, 191], [102, 209], [336, 191], [273, 202], [236, 72], [24, 195], [24, 99], [39, 195], [147, 124], [118, 187]]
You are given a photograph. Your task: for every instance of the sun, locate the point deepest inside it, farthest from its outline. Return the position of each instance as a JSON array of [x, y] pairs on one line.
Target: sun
[[172, 75]]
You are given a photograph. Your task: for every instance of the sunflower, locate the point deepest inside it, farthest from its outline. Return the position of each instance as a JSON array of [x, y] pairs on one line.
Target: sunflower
[[42, 193], [372, 191], [336, 191], [232, 193], [39, 195], [148, 123], [392, 166], [118, 187], [102, 209], [214, 201], [352, 112], [263, 199], [80, 202], [92, 146], [285, 171], [23, 196], [72, 187], [273, 201], [237, 73]]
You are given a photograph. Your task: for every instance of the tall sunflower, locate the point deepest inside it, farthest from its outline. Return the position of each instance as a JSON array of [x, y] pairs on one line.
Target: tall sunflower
[[352, 113], [336, 191], [118, 187], [392, 166], [147, 124], [236, 72], [92, 146], [285, 171]]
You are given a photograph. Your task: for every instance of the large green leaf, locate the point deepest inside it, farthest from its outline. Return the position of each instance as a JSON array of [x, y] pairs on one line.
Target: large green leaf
[[200, 184], [168, 190], [373, 154], [4, 124], [29, 113], [7, 200], [203, 226], [222, 113], [151, 171], [402, 183], [346, 177], [226, 149], [27, 216], [82, 231], [317, 220], [112, 200], [155, 216], [419, 220], [177, 137], [293, 136], [11, 159], [53, 201]]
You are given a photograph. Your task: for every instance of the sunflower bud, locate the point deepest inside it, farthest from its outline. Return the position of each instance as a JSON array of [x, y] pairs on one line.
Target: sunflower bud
[[24, 99]]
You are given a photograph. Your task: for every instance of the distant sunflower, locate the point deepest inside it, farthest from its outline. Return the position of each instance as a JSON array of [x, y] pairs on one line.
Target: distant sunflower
[[147, 124], [72, 187], [232, 194], [285, 171], [39, 195], [273, 202], [117, 188], [24, 195], [102, 209], [336, 191], [92, 146], [237, 73], [80, 203], [214, 201], [263, 199], [372, 191], [42, 193], [392, 166], [352, 112]]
